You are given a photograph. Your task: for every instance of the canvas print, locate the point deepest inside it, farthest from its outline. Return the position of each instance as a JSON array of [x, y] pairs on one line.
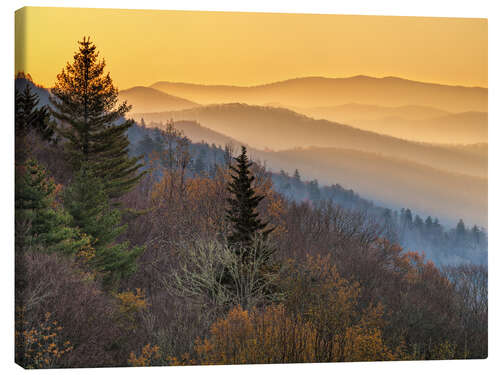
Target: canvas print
[[211, 188]]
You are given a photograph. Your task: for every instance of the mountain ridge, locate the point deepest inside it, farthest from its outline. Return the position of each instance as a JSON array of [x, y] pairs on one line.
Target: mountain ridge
[[358, 76], [281, 128], [148, 99], [321, 91]]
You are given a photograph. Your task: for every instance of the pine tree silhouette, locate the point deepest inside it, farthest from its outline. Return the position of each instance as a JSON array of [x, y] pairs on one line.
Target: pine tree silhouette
[[242, 212], [85, 102]]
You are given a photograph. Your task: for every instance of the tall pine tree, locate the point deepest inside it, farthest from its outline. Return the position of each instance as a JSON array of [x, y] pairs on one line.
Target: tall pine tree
[[242, 211], [85, 102]]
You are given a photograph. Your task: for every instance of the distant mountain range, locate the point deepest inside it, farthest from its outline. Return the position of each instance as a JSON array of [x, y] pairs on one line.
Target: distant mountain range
[[418, 123], [147, 99], [281, 129], [312, 92], [417, 111], [432, 121], [447, 181]]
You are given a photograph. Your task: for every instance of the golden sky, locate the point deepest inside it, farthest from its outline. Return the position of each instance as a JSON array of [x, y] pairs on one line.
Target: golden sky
[[143, 47]]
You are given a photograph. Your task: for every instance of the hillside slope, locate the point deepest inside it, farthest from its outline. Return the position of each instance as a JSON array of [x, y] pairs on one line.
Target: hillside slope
[[392, 181], [387, 180], [417, 123], [281, 129], [147, 99]]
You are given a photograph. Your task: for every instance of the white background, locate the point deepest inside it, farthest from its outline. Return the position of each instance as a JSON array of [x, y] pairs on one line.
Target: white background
[[443, 8]]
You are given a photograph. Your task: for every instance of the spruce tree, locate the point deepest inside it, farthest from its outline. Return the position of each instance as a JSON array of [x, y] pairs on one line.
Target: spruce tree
[[85, 102], [29, 117], [296, 175], [40, 223], [243, 204], [88, 204], [460, 230]]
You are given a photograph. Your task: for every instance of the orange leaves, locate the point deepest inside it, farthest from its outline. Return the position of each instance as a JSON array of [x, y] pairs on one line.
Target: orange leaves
[[345, 330], [149, 356], [41, 347], [199, 203], [363, 344], [86, 252], [274, 336], [132, 301], [268, 336]]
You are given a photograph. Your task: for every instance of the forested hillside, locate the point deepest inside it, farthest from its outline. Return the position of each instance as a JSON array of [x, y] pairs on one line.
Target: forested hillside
[[388, 170], [137, 247], [440, 243]]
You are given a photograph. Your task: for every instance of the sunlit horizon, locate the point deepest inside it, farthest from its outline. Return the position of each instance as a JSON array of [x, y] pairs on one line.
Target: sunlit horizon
[[142, 47]]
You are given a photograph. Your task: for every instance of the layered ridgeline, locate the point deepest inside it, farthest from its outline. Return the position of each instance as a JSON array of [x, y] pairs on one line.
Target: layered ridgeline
[[311, 92], [405, 109], [449, 182], [417, 123], [281, 129], [147, 99]]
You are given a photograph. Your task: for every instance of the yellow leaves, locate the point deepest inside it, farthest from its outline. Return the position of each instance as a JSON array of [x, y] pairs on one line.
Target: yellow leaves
[[132, 301], [41, 346], [443, 350], [274, 212], [149, 356], [273, 336], [345, 330], [130, 304], [268, 336], [87, 252], [363, 344]]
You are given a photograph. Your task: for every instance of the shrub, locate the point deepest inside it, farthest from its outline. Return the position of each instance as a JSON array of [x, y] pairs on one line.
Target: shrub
[[204, 265], [267, 336]]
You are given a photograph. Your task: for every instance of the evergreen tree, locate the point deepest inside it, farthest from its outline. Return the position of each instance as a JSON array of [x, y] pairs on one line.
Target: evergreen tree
[[199, 165], [428, 225], [460, 229], [314, 192], [85, 102], [419, 223], [476, 234], [243, 204], [89, 207], [29, 117], [146, 146], [43, 224], [296, 176]]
